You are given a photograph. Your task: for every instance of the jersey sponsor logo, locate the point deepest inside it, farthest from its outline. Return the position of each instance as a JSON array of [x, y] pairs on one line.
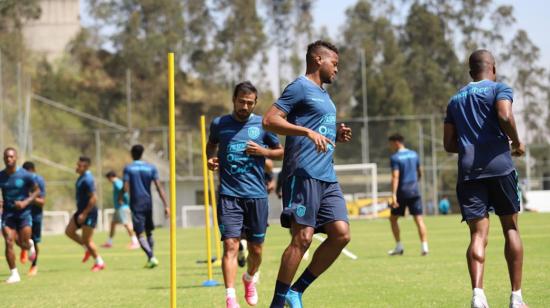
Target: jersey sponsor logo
[[300, 210], [253, 132], [236, 147], [19, 183]]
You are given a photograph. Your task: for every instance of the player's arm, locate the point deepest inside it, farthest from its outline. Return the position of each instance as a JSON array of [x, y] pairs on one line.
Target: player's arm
[[450, 138], [394, 186], [344, 133], [274, 153], [40, 199], [275, 121], [91, 203], [212, 156], [419, 172], [508, 125], [35, 191], [162, 195]]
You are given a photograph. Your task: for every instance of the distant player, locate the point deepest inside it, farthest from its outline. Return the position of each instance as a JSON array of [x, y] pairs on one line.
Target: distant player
[[312, 197], [122, 212], [242, 146], [138, 177], [36, 212], [19, 190], [478, 126], [85, 217], [405, 173]]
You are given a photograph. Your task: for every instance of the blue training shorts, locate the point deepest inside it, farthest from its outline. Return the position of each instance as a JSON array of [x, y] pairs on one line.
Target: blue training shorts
[[90, 221], [248, 216], [36, 228], [311, 202], [414, 204], [16, 219], [478, 197], [143, 221]]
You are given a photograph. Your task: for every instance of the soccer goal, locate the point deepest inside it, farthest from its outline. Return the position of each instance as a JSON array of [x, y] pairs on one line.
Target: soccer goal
[[192, 216], [54, 222]]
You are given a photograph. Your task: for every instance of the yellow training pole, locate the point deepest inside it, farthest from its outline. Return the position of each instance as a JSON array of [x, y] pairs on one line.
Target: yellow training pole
[[217, 237], [172, 155], [210, 281]]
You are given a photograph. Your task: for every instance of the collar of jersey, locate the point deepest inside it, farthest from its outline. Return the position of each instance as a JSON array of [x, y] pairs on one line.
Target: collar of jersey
[[478, 82], [313, 83], [249, 118]]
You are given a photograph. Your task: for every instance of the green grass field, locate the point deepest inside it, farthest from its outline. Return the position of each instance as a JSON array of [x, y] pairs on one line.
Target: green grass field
[[374, 280]]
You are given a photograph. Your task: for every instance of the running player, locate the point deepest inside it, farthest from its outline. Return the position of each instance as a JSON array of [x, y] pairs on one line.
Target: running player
[[478, 126], [19, 190], [85, 216], [243, 147], [36, 212], [405, 168], [312, 198], [122, 212], [138, 177]]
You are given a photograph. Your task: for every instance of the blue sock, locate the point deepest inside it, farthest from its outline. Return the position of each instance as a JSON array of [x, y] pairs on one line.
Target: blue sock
[[145, 246], [281, 289], [151, 241], [304, 281]]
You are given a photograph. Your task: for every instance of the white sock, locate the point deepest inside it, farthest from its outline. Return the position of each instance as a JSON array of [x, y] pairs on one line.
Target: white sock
[[134, 239], [99, 260], [425, 246], [517, 295], [247, 277], [14, 271], [230, 292], [110, 240], [31, 249], [398, 246], [479, 292]]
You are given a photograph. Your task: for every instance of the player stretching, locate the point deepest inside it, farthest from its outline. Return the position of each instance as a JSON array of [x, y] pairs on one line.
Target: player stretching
[[19, 190], [137, 181], [85, 216], [405, 172], [478, 126], [122, 212], [312, 198], [36, 212], [242, 208]]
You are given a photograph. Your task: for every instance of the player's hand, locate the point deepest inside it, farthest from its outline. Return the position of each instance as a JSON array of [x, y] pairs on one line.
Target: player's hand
[[167, 212], [252, 148], [81, 217], [344, 133], [321, 142], [20, 205], [394, 204], [270, 186], [518, 149], [213, 163]]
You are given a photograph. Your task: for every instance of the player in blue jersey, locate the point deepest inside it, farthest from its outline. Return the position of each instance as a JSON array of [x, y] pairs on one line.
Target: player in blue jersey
[[36, 212], [122, 213], [85, 217], [138, 177], [19, 190], [405, 168], [238, 146], [312, 198], [479, 127]]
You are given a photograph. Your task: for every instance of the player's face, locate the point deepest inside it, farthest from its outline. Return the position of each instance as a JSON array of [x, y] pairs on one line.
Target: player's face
[[81, 167], [329, 66], [10, 158], [393, 145], [244, 104]]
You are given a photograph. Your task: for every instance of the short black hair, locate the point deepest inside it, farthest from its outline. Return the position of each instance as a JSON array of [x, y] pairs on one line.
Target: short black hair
[[244, 87], [137, 151], [110, 174], [85, 159], [480, 60], [396, 137], [315, 47], [10, 149], [28, 165]]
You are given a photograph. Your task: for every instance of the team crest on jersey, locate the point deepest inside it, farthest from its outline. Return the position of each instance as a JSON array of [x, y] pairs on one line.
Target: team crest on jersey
[[253, 132], [300, 210], [19, 183]]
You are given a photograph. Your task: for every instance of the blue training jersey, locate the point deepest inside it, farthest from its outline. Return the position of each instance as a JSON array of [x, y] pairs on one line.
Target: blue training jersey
[[35, 209], [140, 175], [118, 188], [407, 162], [16, 187], [85, 187], [308, 105], [241, 175], [484, 150]]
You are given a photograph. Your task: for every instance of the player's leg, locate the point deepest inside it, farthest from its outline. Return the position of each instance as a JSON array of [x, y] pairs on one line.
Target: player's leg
[[9, 241], [475, 256], [24, 233], [109, 242], [415, 209], [129, 228], [395, 213], [36, 238], [138, 220], [70, 231], [87, 238]]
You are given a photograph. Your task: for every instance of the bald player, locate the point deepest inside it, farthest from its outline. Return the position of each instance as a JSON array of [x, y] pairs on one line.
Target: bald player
[[480, 127]]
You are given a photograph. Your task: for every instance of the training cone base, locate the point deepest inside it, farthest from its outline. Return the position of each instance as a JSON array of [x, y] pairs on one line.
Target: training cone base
[[210, 283]]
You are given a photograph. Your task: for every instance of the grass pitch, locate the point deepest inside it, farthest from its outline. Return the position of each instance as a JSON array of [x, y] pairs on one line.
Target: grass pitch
[[374, 280]]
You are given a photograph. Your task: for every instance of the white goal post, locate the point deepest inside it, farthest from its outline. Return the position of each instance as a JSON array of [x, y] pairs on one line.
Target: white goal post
[[55, 222]]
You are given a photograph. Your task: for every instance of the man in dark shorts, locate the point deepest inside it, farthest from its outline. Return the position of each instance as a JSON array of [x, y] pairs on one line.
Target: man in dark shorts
[[312, 198], [405, 168], [479, 127], [85, 217], [242, 146], [36, 213]]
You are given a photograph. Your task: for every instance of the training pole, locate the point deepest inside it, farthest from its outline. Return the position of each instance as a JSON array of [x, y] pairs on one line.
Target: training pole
[[210, 282], [172, 155], [215, 218]]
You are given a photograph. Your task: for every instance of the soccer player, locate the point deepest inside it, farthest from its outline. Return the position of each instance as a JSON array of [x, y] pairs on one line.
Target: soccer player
[[312, 198], [85, 217], [242, 146], [138, 177], [405, 172], [122, 212], [19, 190], [478, 126], [36, 213]]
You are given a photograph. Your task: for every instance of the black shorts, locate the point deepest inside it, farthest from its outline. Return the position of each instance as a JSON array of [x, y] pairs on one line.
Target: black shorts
[[90, 221], [478, 197], [414, 204], [238, 216], [143, 221]]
